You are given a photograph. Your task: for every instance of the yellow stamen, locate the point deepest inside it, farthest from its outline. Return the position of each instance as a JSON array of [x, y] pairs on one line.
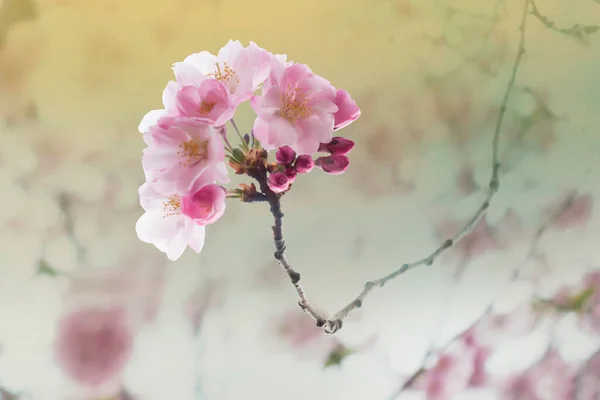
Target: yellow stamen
[[192, 152], [295, 104], [224, 75], [172, 206]]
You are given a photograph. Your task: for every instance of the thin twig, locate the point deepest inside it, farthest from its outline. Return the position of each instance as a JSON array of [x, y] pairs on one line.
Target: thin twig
[[577, 31], [531, 253], [491, 190], [335, 324], [65, 208]]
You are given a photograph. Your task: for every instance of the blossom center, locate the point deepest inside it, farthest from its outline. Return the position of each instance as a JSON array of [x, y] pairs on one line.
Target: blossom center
[[206, 107], [223, 74], [172, 206], [295, 104], [192, 151]]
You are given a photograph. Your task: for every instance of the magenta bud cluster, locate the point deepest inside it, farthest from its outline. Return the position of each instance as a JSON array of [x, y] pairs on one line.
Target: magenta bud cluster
[[337, 162], [290, 166]]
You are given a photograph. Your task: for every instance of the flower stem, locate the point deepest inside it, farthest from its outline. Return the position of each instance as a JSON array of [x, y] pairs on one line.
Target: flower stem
[[244, 144]]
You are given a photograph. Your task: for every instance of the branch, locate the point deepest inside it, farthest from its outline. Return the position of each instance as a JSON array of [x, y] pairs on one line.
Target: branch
[[577, 31], [259, 173], [532, 252], [65, 208], [493, 187], [333, 325]]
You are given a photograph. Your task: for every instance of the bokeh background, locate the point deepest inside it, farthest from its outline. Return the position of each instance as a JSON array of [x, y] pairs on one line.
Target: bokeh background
[[77, 76]]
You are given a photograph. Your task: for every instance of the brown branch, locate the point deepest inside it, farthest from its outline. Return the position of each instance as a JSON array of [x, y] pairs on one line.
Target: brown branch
[[333, 325]]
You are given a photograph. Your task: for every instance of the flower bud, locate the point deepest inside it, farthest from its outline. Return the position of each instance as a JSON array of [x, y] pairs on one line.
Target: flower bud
[[285, 155], [291, 173], [338, 145], [278, 182], [304, 164], [335, 164]]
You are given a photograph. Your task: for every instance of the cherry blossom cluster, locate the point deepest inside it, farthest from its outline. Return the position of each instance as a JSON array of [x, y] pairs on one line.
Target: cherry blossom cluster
[[188, 148]]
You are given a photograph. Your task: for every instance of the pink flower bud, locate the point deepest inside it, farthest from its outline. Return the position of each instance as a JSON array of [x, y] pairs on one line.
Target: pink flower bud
[[278, 182], [348, 111], [304, 164], [338, 145], [285, 155], [291, 173], [335, 164]]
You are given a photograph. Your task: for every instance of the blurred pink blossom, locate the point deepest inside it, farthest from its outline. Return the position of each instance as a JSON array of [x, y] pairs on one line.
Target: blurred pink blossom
[[578, 213], [451, 374], [588, 379], [550, 379], [94, 344]]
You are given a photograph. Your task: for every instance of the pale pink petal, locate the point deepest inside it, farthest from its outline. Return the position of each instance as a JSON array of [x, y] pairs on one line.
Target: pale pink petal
[[197, 237], [168, 96], [188, 101], [282, 133], [260, 129], [348, 111], [149, 197], [267, 106], [258, 59], [229, 52], [314, 132], [177, 244], [150, 119], [193, 70], [154, 227]]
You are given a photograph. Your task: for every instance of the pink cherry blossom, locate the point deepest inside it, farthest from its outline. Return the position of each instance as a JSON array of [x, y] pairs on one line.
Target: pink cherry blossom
[[296, 109], [155, 116], [209, 101], [241, 69], [348, 111], [174, 220], [93, 345], [334, 164], [278, 182], [179, 150]]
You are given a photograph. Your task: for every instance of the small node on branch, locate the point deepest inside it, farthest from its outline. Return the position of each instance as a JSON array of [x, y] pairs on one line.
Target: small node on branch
[[447, 244], [369, 285], [357, 303], [428, 262], [295, 277], [320, 322]]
